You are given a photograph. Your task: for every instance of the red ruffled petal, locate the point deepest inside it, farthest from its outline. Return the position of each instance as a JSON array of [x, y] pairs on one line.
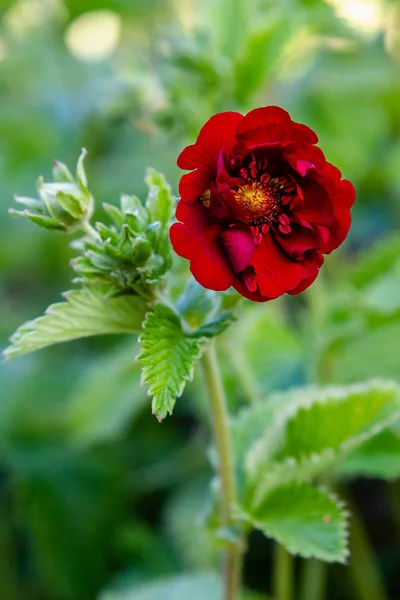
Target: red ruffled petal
[[238, 243], [304, 159], [260, 118], [315, 207], [192, 185], [272, 126], [342, 203], [308, 135], [197, 240], [217, 133], [300, 240], [276, 273], [308, 280]]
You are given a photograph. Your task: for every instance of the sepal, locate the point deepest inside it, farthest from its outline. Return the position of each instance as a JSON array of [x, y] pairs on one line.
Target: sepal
[[64, 202]]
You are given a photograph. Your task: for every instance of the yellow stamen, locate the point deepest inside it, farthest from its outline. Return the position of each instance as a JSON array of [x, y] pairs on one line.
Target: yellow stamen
[[257, 199]]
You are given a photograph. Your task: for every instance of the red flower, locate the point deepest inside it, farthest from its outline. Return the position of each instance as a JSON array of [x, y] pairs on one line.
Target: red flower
[[261, 205]]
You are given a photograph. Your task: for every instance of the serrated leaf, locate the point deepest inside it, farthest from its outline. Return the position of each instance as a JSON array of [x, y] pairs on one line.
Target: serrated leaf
[[316, 428], [85, 312], [306, 520], [195, 586], [168, 357], [379, 457]]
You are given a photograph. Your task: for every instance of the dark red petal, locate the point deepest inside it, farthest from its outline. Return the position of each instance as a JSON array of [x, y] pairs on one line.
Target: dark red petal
[[304, 159], [198, 241], [243, 290], [306, 282], [193, 184], [276, 272], [238, 243], [260, 118], [316, 205], [190, 157], [307, 134], [299, 240], [218, 132], [342, 203]]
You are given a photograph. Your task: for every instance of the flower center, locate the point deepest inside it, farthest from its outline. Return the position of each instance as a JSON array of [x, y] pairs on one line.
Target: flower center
[[260, 202]]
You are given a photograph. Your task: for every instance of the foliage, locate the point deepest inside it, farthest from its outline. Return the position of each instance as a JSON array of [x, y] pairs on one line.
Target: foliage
[[168, 358], [315, 528], [86, 312], [86, 475]]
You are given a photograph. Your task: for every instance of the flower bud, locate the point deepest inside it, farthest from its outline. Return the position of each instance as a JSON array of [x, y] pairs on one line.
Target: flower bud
[[64, 203]]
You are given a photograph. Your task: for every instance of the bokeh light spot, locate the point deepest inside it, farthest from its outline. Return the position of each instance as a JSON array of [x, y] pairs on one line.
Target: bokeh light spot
[[94, 35], [364, 15]]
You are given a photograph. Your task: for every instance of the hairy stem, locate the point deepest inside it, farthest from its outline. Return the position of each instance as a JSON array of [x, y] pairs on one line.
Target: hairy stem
[[283, 574], [220, 423]]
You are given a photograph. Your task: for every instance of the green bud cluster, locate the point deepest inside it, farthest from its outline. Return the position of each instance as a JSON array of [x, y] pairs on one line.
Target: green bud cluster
[[132, 253], [64, 203]]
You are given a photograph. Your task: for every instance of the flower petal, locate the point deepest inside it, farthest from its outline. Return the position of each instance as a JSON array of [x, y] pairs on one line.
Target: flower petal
[[238, 243], [304, 159], [260, 118], [342, 203], [303, 285], [299, 240], [307, 134], [193, 184], [276, 272], [218, 132], [197, 240], [316, 205]]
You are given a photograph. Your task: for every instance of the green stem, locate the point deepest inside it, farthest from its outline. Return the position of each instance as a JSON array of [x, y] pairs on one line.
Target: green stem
[[89, 230], [313, 580], [220, 423], [283, 574], [363, 570]]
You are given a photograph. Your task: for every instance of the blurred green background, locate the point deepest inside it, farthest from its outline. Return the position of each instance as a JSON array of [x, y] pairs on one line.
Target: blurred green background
[[95, 496]]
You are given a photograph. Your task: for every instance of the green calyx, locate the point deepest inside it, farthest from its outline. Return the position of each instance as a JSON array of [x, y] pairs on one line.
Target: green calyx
[[64, 202], [132, 253]]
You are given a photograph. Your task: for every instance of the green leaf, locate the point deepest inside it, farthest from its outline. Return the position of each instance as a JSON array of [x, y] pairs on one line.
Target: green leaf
[[196, 303], [86, 312], [306, 520], [368, 353], [215, 326], [382, 296], [376, 261], [168, 357], [378, 457], [180, 587], [315, 429]]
